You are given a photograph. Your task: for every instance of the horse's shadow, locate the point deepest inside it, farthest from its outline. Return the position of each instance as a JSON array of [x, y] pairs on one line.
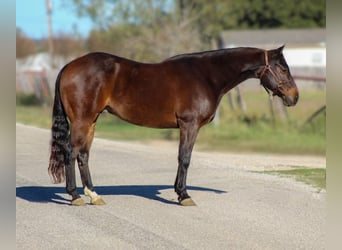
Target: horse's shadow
[[50, 194]]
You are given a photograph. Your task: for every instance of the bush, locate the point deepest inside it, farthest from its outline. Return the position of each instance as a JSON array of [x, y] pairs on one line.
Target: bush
[[27, 99]]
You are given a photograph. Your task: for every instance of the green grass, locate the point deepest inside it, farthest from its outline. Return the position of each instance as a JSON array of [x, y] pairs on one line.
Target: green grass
[[315, 177], [111, 127], [34, 115], [262, 138], [259, 134]]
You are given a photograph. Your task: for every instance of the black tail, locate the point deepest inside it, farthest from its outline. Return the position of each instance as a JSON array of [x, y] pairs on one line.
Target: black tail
[[60, 148]]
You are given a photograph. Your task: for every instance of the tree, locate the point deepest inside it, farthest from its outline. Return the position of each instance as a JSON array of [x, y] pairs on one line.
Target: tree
[[105, 13], [142, 30], [210, 17], [277, 14], [146, 43], [24, 45], [202, 18], [65, 45]]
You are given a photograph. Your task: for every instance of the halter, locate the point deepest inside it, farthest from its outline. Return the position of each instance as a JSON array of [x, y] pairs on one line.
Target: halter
[[269, 68]]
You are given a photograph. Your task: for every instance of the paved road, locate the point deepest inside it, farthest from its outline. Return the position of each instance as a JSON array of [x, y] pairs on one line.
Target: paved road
[[236, 207]]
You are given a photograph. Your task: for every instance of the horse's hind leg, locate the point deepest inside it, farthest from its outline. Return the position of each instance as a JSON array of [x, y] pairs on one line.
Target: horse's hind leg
[[78, 138], [83, 164], [71, 187]]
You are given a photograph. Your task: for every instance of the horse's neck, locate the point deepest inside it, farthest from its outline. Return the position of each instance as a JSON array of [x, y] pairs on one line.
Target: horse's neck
[[231, 68]]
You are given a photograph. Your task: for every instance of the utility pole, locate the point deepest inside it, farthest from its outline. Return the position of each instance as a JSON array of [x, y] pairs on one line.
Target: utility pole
[[49, 12], [49, 73]]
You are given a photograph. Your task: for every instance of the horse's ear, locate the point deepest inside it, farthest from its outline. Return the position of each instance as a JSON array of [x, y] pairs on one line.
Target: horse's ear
[[280, 49], [275, 53]]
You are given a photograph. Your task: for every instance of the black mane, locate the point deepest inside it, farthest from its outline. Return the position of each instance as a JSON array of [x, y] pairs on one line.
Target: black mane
[[211, 53]]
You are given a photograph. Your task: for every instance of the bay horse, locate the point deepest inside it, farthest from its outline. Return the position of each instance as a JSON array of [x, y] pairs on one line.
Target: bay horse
[[181, 92]]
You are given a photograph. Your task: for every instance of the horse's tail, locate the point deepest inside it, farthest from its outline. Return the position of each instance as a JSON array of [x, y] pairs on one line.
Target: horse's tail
[[60, 148]]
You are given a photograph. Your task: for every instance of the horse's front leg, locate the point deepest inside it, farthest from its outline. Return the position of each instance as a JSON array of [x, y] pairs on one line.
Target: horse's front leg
[[188, 134]]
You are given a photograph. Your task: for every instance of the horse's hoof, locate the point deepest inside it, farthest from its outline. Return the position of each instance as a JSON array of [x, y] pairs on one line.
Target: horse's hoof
[[187, 202], [87, 192], [78, 202], [97, 201]]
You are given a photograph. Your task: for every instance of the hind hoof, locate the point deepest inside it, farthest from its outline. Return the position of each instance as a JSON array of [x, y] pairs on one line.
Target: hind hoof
[[78, 202], [97, 201], [187, 202]]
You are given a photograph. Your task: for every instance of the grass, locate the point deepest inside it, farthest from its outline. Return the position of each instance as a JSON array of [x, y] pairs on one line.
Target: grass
[[34, 115], [261, 139], [315, 177], [233, 133]]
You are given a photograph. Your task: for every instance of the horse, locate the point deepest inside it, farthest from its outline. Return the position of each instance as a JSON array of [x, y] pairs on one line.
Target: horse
[[181, 92]]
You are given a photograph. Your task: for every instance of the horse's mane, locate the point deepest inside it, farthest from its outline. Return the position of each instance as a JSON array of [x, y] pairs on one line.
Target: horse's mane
[[211, 53]]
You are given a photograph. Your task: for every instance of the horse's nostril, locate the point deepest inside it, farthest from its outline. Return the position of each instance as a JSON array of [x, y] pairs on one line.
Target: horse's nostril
[[295, 99], [290, 100], [287, 101]]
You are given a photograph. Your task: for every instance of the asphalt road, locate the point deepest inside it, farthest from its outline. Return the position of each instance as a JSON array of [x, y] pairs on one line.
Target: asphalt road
[[237, 208]]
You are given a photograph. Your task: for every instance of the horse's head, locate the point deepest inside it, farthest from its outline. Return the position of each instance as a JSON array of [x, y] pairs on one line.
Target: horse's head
[[275, 76]]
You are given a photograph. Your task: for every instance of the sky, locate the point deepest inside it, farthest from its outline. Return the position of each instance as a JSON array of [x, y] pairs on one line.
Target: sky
[[31, 18]]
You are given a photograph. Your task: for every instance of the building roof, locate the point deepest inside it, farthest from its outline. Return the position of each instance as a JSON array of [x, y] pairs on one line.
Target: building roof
[[274, 37], [40, 62]]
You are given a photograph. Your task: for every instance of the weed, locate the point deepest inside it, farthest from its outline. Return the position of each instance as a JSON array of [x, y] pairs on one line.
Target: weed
[[312, 176]]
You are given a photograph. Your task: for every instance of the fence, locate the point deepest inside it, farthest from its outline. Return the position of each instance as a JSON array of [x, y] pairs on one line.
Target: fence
[[237, 100], [37, 83]]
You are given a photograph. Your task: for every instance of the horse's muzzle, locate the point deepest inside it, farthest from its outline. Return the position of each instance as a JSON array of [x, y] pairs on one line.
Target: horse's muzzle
[[291, 98]]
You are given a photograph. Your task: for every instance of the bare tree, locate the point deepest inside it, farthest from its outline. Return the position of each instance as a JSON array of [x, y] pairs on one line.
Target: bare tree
[[154, 39], [24, 45]]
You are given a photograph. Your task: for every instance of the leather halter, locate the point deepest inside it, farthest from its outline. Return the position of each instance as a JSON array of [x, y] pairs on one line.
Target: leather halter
[[268, 67]]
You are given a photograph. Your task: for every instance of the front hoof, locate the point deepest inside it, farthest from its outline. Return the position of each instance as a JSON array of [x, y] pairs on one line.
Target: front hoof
[[78, 202], [187, 202], [97, 201]]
